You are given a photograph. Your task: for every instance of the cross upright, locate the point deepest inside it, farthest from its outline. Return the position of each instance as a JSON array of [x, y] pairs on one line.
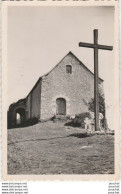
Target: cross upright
[[96, 46]]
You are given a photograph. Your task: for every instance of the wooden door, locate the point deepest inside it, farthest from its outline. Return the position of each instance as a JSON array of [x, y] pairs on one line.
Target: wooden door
[[61, 106]]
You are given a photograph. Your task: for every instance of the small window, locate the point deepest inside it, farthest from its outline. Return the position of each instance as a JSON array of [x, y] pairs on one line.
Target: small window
[[69, 69]]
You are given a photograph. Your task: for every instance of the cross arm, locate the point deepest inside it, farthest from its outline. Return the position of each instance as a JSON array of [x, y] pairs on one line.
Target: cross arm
[[89, 45]]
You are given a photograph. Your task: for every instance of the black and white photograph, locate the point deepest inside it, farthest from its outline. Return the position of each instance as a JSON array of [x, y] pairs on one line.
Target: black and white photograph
[[61, 98]]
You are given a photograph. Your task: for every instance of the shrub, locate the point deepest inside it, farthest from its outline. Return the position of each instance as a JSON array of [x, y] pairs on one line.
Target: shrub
[[79, 119], [101, 104], [101, 108]]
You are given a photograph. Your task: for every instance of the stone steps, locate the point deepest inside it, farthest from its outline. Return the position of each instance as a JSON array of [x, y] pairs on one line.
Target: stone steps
[[60, 118]]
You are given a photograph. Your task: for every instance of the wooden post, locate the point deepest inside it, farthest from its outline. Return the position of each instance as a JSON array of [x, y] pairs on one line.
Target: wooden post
[[96, 82]]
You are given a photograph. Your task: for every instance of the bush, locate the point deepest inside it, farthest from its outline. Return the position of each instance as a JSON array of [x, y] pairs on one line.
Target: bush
[[101, 104], [101, 108], [79, 119]]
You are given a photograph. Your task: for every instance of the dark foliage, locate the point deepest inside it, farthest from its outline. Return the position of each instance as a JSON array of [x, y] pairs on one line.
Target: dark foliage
[[101, 108], [79, 119], [101, 104]]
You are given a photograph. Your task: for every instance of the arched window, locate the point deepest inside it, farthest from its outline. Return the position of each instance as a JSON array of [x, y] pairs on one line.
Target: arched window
[[69, 69]]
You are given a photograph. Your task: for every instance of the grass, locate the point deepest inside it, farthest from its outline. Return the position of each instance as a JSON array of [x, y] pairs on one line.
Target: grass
[[54, 148]]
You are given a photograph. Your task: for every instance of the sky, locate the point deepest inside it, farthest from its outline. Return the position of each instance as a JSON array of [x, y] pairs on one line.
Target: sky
[[39, 37]]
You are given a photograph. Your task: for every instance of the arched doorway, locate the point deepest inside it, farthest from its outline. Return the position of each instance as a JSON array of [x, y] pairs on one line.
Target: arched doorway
[[60, 106], [18, 118], [20, 115]]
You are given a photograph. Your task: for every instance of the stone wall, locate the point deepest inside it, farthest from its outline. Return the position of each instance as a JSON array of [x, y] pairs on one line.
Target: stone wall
[[28, 106], [76, 88], [33, 101]]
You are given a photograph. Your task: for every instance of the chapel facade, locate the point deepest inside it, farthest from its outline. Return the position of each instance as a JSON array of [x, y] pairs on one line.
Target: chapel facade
[[65, 90]]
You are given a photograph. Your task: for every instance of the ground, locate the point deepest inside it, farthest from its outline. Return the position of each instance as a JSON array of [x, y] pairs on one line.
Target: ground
[[53, 148]]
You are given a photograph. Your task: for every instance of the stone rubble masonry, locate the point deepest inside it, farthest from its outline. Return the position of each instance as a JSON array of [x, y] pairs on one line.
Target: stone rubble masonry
[[76, 88]]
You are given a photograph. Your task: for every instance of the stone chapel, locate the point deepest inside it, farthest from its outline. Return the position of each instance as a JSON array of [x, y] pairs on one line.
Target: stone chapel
[[62, 91]]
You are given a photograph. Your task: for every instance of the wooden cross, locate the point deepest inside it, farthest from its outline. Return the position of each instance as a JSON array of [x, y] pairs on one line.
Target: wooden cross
[[96, 46]]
